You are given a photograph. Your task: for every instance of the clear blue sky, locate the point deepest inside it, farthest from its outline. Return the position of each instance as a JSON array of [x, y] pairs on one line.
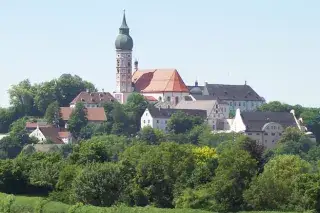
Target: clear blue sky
[[272, 44]]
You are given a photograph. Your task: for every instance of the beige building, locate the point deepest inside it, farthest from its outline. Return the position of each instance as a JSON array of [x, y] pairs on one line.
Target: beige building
[[217, 111], [264, 127]]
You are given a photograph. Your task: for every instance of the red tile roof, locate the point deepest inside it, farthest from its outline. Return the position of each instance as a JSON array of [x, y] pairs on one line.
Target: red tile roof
[[93, 114], [51, 133], [93, 98], [158, 80], [35, 124], [150, 98], [64, 134]]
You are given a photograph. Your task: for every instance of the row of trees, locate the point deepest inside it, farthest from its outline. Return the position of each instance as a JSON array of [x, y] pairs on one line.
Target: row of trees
[[223, 173]]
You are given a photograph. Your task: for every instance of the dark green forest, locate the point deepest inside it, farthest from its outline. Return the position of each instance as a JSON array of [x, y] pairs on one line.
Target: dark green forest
[[117, 163]]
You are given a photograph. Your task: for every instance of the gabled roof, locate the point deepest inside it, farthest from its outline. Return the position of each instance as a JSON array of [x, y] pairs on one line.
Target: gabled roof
[[233, 92], [30, 125], [167, 112], [51, 133], [93, 114], [93, 97], [158, 80], [207, 105], [254, 121]]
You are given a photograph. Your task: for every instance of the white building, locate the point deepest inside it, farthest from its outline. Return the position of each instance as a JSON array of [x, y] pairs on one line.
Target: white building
[[158, 117], [217, 111], [264, 127], [44, 134]]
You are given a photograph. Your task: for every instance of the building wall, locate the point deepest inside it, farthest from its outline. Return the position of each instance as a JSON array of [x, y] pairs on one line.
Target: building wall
[[168, 96], [269, 135], [157, 123], [38, 134]]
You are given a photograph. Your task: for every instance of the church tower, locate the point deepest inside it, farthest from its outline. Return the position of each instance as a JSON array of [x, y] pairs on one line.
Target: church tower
[[123, 45]]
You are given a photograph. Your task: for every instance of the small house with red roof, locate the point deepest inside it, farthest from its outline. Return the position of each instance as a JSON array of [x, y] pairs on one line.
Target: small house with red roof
[[53, 134]]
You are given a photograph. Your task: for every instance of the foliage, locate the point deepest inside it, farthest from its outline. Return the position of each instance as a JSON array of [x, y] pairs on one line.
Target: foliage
[[78, 119], [99, 149], [180, 122], [151, 136], [272, 188], [53, 114], [98, 184]]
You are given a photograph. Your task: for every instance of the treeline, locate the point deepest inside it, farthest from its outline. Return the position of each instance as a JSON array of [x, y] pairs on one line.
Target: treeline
[[223, 172]]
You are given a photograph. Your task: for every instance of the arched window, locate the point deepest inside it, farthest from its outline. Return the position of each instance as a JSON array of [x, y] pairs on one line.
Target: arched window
[[177, 100], [168, 98], [160, 98]]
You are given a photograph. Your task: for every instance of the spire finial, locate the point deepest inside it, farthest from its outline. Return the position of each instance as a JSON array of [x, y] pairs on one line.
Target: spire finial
[[124, 21]]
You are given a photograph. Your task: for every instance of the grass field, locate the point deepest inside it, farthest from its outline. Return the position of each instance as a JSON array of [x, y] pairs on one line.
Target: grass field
[[24, 204]]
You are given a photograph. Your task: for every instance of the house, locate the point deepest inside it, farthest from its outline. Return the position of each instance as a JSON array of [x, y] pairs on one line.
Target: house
[[94, 115], [92, 99], [237, 96], [158, 117], [162, 84], [31, 126], [264, 127], [217, 111], [53, 134]]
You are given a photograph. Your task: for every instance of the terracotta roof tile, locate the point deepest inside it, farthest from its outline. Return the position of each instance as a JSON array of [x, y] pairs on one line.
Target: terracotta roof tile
[[158, 80], [93, 98], [64, 134], [35, 124], [93, 114], [150, 98], [51, 133]]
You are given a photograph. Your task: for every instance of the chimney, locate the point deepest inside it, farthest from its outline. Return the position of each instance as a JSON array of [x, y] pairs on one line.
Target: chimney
[[196, 83], [245, 82]]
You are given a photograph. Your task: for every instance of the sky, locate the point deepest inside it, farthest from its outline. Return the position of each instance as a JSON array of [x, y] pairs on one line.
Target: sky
[[273, 45]]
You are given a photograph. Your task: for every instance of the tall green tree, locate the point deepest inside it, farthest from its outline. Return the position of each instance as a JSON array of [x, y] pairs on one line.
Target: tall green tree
[[78, 119], [180, 122], [273, 188], [53, 114]]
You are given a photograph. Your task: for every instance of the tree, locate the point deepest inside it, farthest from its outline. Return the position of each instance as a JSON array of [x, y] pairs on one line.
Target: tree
[[135, 107], [99, 149], [233, 176], [53, 114], [151, 136], [272, 189], [46, 94], [180, 122], [275, 106], [78, 119], [314, 127], [98, 184], [69, 86], [22, 97]]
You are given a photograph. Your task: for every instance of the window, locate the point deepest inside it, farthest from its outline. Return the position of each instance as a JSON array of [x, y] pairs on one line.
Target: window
[[166, 122], [230, 103], [244, 103], [217, 106], [157, 121], [168, 99], [257, 133], [239, 103], [160, 98], [148, 121], [144, 121], [280, 134], [249, 133], [216, 111], [177, 100], [129, 64], [252, 104], [265, 133], [273, 134], [265, 141], [146, 114]]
